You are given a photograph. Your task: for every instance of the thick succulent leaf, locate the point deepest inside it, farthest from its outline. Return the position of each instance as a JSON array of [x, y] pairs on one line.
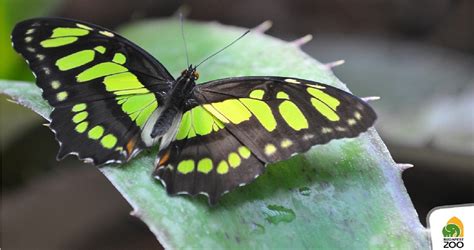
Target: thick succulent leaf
[[347, 194]]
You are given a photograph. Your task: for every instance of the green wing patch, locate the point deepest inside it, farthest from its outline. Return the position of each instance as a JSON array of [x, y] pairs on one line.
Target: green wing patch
[[196, 122]]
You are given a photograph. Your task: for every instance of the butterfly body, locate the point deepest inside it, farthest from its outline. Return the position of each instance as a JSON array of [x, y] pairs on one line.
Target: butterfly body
[[179, 98], [112, 99]]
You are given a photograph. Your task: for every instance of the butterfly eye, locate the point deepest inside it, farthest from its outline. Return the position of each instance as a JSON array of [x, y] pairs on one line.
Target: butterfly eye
[[183, 72], [196, 75]]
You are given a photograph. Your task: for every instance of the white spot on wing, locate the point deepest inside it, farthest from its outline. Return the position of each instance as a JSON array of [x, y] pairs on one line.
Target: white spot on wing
[[270, 149], [357, 115], [61, 96], [111, 161], [341, 129], [325, 130], [285, 143], [351, 122], [292, 80], [82, 26], [205, 194], [88, 160], [316, 86], [106, 33], [307, 137], [55, 84]]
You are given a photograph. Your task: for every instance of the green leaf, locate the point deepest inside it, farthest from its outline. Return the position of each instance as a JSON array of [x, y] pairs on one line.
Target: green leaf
[[347, 194]]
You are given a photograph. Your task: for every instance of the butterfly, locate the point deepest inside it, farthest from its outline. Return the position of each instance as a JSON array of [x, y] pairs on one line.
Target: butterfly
[[111, 99]]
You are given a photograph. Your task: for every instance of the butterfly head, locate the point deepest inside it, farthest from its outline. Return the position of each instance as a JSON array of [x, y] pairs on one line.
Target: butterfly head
[[190, 73], [186, 82]]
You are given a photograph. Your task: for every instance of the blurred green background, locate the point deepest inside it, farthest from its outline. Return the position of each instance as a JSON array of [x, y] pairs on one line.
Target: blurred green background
[[417, 55]]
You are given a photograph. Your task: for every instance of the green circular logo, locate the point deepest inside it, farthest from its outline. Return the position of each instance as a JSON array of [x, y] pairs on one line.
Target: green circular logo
[[451, 230]]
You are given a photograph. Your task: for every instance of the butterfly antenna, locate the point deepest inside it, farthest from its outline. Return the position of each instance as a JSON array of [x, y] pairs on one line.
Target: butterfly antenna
[[228, 45], [184, 38]]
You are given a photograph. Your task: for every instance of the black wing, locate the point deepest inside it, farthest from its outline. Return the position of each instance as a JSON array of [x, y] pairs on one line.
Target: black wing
[[103, 87], [242, 124]]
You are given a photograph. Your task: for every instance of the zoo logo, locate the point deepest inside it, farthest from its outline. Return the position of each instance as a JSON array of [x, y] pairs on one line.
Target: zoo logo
[[453, 233]]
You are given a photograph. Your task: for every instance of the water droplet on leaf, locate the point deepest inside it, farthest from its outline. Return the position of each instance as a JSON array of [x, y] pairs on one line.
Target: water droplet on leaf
[[305, 191], [276, 214]]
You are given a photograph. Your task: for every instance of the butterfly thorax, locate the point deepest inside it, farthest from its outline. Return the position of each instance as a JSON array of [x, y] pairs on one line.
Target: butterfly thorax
[[182, 89], [179, 96]]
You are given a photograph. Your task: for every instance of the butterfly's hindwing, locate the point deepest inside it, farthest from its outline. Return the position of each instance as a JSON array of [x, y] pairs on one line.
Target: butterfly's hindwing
[[103, 88], [211, 165], [273, 117], [97, 130]]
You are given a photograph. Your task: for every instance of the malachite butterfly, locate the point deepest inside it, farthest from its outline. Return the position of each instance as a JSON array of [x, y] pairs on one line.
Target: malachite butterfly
[[112, 99]]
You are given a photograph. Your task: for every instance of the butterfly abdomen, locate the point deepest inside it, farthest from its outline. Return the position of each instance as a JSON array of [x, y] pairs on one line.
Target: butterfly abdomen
[[164, 122]]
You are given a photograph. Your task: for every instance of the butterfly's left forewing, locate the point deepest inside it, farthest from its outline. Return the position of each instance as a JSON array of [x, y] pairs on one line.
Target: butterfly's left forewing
[[241, 124], [103, 87]]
